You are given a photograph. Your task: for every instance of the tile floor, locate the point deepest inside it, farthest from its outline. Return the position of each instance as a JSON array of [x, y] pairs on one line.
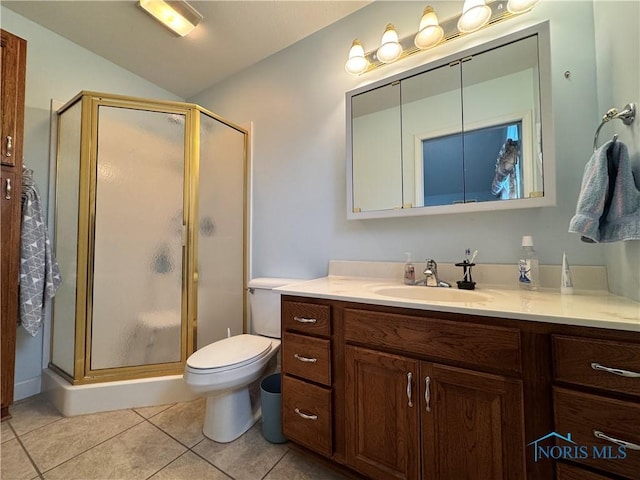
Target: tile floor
[[155, 443]]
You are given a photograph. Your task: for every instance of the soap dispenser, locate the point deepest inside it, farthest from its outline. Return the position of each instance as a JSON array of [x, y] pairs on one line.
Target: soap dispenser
[[409, 271]]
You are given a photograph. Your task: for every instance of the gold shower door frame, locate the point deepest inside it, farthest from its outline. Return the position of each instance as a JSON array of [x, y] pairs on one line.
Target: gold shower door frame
[[91, 101]]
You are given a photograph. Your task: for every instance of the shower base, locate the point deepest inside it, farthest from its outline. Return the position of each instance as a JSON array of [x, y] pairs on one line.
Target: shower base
[[71, 400]]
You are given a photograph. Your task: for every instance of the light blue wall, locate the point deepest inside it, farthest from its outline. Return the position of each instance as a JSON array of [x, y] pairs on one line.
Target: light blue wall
[[57, 69], [295, 99], [615, 54]]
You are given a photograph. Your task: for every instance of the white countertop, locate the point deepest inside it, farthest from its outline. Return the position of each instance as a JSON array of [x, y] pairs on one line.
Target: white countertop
[[584, 308]]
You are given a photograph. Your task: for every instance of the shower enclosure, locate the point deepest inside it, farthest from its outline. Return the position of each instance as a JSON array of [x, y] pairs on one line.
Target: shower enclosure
[[150, 236]]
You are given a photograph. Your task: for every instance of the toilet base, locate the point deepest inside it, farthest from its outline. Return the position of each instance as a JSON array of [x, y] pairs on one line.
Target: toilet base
[[229, 415]]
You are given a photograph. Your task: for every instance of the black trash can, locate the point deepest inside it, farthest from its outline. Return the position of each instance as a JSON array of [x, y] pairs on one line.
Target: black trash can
[[271, 399]]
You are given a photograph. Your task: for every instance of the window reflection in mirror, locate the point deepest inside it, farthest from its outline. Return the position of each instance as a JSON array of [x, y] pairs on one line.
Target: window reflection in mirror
[[452, 110], [502, 85], [491, 162]]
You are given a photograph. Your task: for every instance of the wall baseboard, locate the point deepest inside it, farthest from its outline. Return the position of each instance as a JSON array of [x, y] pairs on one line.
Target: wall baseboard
[[27, 388]]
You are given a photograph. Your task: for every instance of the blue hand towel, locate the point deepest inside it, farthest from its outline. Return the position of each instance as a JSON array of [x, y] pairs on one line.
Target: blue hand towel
[[609, 203]]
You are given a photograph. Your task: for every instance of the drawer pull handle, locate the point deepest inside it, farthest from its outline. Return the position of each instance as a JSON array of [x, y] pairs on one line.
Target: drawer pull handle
[[622, 443], [409, 376], [305, 320], [427, 392], [306, 416], [615, 371], [305, 359]]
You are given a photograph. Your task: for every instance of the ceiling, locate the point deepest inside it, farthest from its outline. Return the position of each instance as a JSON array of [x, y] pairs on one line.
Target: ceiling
[[233, 35]]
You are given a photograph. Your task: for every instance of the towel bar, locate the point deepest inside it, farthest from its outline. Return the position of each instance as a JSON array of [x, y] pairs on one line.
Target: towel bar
[[627, 116]]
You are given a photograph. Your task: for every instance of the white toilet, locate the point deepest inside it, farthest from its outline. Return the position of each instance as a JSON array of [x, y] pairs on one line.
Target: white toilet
[[224, 370]]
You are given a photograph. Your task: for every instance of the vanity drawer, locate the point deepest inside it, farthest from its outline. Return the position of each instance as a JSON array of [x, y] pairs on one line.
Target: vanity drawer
[[306, 317], [582, 414], [306, 415], [477, 345], [307, 357], [589, 362]]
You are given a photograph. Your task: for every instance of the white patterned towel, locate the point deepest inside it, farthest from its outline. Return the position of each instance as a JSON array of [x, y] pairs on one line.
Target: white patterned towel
[[39, 272]]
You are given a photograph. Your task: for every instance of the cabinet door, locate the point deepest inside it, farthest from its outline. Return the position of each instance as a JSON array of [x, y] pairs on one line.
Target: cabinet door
[[10, 253], [382, 414], [12, 97], [472, 424]]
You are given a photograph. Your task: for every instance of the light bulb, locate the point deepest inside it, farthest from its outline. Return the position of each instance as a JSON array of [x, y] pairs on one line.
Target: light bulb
[[390, 49], [475, 15], [430, 32], [357, 63], [520, 6]]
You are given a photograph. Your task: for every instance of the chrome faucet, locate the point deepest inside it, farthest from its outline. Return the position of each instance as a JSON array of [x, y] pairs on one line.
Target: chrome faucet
[[431, 275]]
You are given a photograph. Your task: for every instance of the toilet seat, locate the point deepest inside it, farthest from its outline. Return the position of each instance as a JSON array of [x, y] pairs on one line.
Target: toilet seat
[[229, 353]]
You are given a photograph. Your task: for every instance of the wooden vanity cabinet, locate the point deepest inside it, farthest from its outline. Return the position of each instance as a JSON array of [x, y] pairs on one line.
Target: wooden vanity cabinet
[[412, 394], [307, 404], [12, 93], [411, 417], [597, 399]]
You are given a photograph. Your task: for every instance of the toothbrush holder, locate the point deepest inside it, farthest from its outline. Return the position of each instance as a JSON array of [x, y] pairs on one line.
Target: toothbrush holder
[[467, 282]]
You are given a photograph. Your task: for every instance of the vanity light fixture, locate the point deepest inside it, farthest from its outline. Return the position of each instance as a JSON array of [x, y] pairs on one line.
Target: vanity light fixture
[[430, 32], [390, 48], [356, 64], [475, 15], [520, 6], [176, 15]]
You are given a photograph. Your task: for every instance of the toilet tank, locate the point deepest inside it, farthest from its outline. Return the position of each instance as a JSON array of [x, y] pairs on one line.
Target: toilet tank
[[265, 305]]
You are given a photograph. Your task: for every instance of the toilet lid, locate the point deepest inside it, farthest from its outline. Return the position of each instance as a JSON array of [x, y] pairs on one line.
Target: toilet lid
[[230, 352]]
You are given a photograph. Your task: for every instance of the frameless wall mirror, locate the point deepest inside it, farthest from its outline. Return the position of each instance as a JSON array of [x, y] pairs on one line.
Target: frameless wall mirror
[[469, 132]]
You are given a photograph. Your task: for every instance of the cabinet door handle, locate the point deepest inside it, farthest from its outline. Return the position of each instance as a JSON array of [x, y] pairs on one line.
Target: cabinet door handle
[[7, 189], [306, 416], [615, 371], [409, 377], [427, 392], [622, 443], [305, 359], [305, 320], [9, 149]]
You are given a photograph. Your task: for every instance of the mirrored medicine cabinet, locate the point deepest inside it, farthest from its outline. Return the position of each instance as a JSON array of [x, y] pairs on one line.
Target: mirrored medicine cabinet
[[469, 132]]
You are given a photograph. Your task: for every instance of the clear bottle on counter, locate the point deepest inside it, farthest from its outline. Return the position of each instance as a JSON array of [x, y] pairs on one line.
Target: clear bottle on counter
[[409, 271], [528, 267]]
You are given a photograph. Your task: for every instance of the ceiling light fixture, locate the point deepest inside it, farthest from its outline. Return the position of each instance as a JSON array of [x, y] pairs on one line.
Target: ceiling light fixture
[[390, 49], [177, 15], [430, 32], [475, 15]]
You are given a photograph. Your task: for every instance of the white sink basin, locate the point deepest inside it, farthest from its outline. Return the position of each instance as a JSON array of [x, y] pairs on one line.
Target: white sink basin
[[432, 294]]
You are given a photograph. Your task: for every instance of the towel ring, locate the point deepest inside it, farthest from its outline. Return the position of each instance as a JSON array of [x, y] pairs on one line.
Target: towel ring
[[627, 116]]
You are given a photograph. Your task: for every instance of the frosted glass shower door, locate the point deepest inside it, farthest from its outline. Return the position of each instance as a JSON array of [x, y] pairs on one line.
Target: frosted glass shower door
[[220, 230], [137, 270]]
